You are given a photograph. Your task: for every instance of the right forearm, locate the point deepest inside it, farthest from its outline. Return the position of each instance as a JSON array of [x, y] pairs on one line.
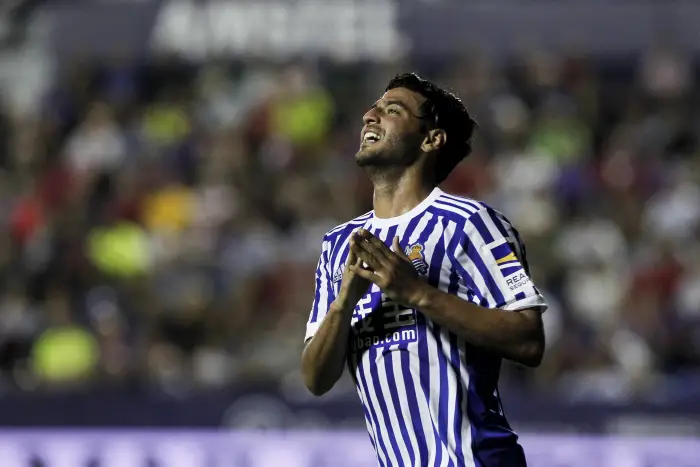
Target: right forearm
[[323, 359]]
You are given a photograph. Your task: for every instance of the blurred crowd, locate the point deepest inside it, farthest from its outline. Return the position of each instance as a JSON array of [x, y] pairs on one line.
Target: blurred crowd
[[160, 222]]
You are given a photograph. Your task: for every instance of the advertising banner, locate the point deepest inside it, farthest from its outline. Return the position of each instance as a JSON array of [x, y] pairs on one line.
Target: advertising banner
[[365, 29], [307, 449], [270, 408]]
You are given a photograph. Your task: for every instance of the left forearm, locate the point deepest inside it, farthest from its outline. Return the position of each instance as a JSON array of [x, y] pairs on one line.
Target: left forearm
[[517, 336]]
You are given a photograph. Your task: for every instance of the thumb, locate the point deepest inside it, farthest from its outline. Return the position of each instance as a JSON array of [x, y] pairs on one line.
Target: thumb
[[398, 250], [352, 258]]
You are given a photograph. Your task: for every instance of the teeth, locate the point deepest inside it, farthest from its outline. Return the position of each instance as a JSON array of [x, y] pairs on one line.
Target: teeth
[[371, 136]]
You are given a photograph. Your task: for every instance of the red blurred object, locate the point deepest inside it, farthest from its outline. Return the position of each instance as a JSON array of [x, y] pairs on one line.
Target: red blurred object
[[54, 188], [470, 178], [662, 277], [27, 217]]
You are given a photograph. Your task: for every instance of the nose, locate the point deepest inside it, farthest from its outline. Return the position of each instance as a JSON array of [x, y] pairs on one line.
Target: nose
[[372, 116]]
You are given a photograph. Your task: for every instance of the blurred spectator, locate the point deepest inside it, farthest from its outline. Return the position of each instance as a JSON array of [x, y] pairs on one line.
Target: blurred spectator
[[19, 326], [65, 353], [162, 220], [98, 143]]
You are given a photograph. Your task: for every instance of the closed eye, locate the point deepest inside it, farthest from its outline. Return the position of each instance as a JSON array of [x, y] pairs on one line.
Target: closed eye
[[392, 107]]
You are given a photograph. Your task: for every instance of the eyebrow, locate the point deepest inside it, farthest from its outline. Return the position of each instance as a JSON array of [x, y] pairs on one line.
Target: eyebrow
[[397, 103]]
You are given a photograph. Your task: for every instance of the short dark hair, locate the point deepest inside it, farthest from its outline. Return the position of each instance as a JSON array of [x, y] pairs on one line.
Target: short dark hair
[[446, 111]]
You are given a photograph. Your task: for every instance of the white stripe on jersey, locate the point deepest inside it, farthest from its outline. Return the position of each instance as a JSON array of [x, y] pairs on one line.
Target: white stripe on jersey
[[417, 382], [399, 401], [371, 428]]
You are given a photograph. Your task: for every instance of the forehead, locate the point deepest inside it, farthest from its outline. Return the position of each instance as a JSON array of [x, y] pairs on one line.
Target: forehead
[[410, 99]]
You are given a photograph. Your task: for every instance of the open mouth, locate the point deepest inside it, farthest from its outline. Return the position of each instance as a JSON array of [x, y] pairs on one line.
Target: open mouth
[[371, 137]]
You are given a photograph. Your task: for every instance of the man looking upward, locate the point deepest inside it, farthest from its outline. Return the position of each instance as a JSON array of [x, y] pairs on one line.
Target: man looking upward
[[423, 296]]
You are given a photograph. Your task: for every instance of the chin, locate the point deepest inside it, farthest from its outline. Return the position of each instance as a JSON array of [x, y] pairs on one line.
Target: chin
[[368, 156]]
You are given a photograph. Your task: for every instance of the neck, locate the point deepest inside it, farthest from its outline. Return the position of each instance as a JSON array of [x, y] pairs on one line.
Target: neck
[[398, 195]]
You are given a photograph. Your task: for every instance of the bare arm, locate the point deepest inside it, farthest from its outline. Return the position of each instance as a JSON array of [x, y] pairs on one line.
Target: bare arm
[[323, 358], [515, 335]]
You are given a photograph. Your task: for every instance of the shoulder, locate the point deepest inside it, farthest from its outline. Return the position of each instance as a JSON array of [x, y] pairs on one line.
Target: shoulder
[[344, 230], [470, 213], [459, 208]]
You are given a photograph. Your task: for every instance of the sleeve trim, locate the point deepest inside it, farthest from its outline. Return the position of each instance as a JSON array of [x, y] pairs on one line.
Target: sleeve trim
[[311, 329], [534, 301]]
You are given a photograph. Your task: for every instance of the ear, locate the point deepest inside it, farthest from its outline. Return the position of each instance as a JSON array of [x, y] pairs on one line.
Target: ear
[[434, 140]]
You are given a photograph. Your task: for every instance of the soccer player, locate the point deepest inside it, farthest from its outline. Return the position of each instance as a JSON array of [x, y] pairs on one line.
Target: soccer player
[[424, 295]]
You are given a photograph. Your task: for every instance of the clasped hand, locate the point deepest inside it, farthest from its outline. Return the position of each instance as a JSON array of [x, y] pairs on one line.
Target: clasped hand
[[392, 271]]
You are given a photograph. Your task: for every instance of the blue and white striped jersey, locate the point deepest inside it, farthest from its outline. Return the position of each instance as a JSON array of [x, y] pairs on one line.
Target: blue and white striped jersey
[[429, 398]]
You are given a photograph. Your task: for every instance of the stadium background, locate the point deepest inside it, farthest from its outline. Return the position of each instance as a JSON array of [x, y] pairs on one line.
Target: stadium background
[[167, 170]]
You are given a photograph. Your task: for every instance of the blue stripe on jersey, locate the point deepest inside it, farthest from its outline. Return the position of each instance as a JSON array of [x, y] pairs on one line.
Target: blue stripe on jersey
[[411, 396], [323, 282], [421, 437], [471, 205], [368, 421], [523, 254], [368, 417], [468, 280], [459, 403], [341, 263], [374, 371], [368, 407], [497, 219], [507, 230], [475, 410], [500, 221], [434, 280], [461, 210], [425, 383], [493, 441], [501, 251], [358, 221], [508, 271], [456, 367], [352, 367], [389, 368], [395, 392], [338, 252], [373, 414], [481, 227], [383, 409], [491, 285], [423, 352], [319, 285], [338, 237]]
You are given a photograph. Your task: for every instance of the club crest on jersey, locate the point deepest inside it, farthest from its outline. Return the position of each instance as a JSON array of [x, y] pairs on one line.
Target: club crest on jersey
[[415, 254]]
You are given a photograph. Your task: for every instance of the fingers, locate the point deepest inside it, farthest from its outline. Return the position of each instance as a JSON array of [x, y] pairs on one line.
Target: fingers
[[373, 246], [352, 257], [364, 273], [366, 256], [359, 255], [398, 250]]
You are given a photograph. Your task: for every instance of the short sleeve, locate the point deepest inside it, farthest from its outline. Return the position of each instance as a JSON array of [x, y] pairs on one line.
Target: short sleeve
[[489, 257], [323, 295]]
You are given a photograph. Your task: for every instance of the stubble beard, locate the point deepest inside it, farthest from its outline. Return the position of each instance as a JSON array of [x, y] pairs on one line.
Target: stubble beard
[[384, 165], [389, 154]]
